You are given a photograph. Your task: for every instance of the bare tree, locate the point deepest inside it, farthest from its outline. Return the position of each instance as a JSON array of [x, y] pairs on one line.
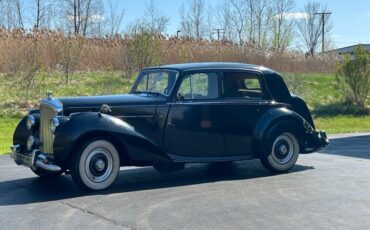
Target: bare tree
[[192, 19], [223, 21], [263, 17], [19, 12], [282, 26], [42, 12], [12, 12], [251, 20], [152, 22], [310, 26], [82, 16], [155, 21], [209, 22], [39, 13], [235, 11], [185, 23], [114, 19]]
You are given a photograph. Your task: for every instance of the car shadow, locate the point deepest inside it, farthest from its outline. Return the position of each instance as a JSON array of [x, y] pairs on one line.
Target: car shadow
[[36, 190], [355, 146]]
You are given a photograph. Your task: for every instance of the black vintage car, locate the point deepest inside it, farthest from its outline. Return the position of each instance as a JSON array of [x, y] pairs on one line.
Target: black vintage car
[[174, 114]]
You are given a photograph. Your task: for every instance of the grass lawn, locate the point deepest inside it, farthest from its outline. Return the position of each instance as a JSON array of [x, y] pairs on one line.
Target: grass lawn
[[7, 126], [343, 124]]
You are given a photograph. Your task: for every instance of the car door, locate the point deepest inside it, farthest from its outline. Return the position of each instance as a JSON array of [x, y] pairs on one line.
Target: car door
[[194, 124], [245, 101]]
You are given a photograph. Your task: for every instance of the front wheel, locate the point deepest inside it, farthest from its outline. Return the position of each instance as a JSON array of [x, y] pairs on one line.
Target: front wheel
[[284, 151], [96, 165]]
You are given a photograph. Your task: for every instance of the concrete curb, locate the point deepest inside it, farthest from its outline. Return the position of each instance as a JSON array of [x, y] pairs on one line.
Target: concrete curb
[[344, 135]]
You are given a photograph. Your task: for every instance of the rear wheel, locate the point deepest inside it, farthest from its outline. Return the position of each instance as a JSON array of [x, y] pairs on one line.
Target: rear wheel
[[283, 152], [96, 165]]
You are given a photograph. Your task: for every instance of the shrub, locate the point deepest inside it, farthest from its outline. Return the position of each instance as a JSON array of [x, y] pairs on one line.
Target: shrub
[[353, 76], [142, 50]]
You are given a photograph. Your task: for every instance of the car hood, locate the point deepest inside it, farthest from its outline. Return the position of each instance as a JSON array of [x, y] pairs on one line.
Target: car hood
[[93, 103]]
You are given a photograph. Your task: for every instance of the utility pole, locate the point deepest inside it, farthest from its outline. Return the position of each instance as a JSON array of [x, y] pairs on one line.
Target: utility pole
[[323, 14], [218, 32]]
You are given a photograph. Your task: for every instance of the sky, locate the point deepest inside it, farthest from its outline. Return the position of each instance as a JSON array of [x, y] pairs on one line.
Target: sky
[[351, 18]]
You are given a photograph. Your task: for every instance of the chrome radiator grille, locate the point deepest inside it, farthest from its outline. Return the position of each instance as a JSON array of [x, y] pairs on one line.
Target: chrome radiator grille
[[46, 136]]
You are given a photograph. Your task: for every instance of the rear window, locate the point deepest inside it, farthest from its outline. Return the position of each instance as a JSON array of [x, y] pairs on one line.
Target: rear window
[[242, 85]]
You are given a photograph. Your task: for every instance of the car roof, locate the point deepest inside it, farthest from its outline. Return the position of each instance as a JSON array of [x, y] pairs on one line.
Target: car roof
[[213, 65]]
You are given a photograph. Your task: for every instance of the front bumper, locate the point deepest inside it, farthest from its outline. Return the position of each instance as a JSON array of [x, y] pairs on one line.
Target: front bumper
[[323, 138], [35, 159]]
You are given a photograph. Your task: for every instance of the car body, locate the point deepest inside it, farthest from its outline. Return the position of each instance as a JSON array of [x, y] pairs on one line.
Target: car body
[[174, 114]]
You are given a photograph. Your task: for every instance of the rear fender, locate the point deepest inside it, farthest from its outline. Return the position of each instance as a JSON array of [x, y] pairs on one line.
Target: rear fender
[[82, 125], [273, 117]]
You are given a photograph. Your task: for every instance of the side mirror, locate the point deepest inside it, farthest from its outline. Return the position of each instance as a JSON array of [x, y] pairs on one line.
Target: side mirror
[[180, 97]]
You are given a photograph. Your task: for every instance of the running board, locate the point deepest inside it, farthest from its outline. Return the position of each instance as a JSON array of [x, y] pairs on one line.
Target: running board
[[184, 159]]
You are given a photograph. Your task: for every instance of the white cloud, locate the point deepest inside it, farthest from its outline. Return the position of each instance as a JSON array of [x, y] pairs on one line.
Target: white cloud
[[337, 36], [92, 18], [295, 15], [97, 17]]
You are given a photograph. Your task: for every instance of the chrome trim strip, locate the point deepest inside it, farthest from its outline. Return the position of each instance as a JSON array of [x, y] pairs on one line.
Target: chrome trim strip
[[136, 116], [111, 106]]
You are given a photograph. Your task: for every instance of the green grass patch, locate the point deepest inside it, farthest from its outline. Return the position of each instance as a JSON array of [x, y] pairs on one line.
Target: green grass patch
[[343, 124], [316, 89], [7, 127], [16, 100]]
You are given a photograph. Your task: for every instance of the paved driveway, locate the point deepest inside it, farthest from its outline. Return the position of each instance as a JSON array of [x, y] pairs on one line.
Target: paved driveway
[[324, 191]]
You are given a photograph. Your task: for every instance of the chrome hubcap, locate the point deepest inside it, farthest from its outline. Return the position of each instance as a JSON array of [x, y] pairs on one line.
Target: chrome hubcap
[[283, 148], [99, 165]]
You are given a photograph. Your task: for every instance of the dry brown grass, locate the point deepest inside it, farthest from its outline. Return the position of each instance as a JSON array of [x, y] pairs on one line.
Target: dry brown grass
[[27, 51]]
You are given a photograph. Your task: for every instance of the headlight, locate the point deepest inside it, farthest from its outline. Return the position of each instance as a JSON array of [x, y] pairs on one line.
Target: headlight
[[31, 143], [54, 123], [31, 121]]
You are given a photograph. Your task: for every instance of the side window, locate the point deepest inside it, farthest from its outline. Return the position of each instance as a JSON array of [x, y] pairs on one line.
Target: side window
[[252, 84], [199, 86], [156, 82], [242, 85], [143, 84]]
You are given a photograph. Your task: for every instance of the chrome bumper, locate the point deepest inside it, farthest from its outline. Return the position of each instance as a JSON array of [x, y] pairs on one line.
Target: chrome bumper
[[319, 141], [35, 159], [323, 138]]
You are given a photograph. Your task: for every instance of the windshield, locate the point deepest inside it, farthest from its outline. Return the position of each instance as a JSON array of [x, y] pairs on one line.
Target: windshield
[[158, 82]]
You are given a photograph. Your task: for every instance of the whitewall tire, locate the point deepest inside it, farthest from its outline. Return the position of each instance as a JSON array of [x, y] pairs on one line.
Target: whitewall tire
[[284, 152], [96, 165]]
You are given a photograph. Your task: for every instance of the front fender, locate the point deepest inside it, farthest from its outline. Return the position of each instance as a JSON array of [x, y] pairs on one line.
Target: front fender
[[21, 133], [82, 125]]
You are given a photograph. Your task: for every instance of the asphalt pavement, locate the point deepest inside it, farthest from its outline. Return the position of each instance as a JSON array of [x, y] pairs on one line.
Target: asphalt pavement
[[327, 190]]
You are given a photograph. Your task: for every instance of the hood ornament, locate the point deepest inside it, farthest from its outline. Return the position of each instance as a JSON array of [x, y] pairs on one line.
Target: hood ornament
[[49, 94], [105, 109]]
